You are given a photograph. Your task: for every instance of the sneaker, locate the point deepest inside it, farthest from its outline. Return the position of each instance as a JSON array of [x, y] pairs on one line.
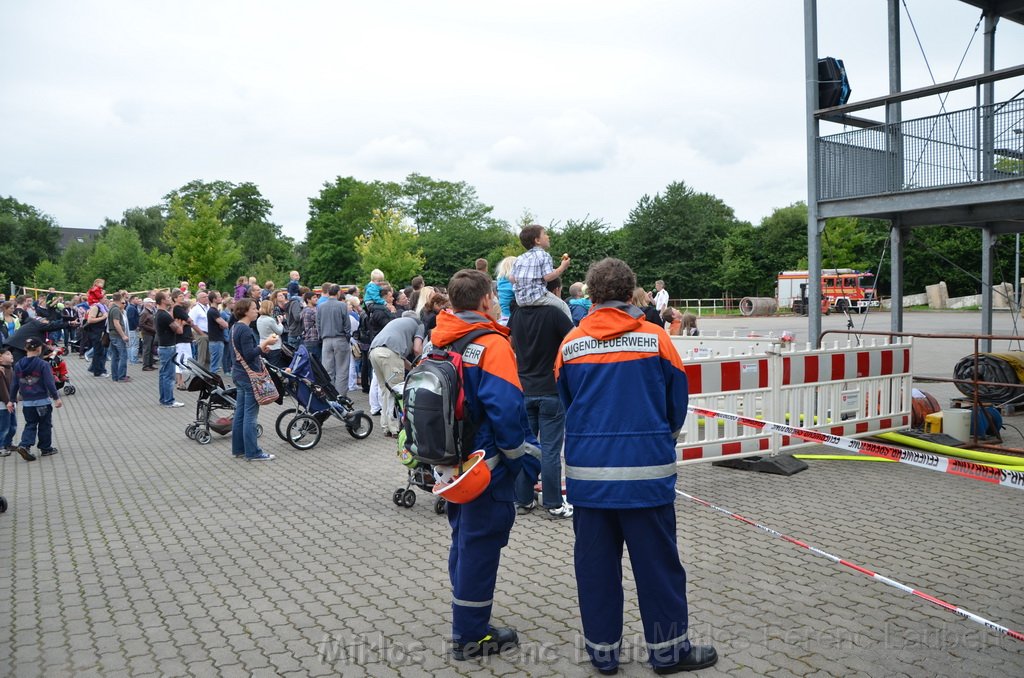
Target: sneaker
[[47, 453], [25, 454], [563, 511], [240, 455], [176, 403], [5, 452], [263, 456], [494, 642], [523, 509], [374, 414]]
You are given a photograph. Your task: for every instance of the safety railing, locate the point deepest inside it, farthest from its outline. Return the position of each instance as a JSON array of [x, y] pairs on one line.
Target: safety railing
[[840, 390], [980, 144]]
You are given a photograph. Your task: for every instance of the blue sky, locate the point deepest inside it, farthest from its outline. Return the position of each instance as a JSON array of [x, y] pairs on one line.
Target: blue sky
[[565, 109]]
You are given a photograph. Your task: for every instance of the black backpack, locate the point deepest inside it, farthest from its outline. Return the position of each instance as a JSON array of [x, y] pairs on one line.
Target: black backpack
[[438, 430]]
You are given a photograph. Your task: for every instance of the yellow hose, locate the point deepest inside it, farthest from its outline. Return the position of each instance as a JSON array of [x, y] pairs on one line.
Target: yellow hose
[[842, 457], [997, 460]]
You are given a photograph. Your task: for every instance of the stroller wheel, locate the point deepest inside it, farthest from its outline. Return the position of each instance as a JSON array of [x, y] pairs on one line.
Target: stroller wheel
[[3, 505], [203, 437], [397, 496], [69, 389], [190, 431], [259, 430], [440, 505], [408, 498], [360, 426], [280, 425], [304, 432]]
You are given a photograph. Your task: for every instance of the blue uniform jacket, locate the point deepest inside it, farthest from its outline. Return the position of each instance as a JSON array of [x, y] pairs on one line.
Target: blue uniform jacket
[[625, 395]]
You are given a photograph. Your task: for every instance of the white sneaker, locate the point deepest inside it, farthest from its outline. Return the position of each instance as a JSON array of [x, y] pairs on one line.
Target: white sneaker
[[177, 404], [563, 511]]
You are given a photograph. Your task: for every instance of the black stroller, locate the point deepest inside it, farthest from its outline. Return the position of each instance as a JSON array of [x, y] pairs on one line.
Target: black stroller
[[214, 397], [307, 382]]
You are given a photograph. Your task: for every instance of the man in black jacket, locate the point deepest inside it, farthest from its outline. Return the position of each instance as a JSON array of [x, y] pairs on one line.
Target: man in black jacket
[[35, 329], [537, 332], [377, 316]]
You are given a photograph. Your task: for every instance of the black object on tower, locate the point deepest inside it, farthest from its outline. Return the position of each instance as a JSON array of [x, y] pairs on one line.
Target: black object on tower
[[833, 86]]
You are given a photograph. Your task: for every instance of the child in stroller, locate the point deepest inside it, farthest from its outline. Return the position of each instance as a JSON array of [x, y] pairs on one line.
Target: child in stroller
[[419, 474], [54, 355], [307, 382]]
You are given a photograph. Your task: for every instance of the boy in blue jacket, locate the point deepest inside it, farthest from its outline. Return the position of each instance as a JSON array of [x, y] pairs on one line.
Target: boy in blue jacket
[[33, 381]]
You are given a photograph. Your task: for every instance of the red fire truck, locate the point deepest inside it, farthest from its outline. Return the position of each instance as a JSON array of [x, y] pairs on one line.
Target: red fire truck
[[842, 289]]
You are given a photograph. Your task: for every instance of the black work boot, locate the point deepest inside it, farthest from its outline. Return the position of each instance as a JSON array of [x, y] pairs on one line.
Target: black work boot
[[494, 642]]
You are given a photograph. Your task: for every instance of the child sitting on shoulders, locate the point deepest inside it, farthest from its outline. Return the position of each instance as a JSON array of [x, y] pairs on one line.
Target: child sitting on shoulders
[[533, 270]]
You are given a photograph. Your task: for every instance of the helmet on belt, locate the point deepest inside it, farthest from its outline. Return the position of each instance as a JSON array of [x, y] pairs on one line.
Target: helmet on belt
[[468, 483]]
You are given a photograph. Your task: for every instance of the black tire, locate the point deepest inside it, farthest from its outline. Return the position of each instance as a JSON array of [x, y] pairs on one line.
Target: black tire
[[842, 305], [3, 505], [409, 499], [397, 496], [304, 432], [259, 430], [190, 431], [203, 437], [281, 425], [360, 426], [69, 389], [440, 506]]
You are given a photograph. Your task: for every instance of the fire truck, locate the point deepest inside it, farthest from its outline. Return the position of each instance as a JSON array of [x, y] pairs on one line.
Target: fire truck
[[842, 289]]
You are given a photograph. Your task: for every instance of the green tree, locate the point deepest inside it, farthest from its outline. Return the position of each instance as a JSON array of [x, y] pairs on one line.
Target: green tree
[[159, 272], [454, 245], [390, 246], [586, 241], [73, 260], [148, 223], [201, 245], [431, 203], [337, 216], [676, 236], [117, 257], [27, 237], [49, 274]]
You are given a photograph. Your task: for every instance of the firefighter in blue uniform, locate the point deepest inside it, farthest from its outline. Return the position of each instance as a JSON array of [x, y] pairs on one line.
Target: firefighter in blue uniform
[[480, 526], [624, 390]]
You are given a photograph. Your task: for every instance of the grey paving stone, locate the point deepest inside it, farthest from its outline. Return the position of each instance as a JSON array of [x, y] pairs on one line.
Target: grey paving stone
[[168, 558]]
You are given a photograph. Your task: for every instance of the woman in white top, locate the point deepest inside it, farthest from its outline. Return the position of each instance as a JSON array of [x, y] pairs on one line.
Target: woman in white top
[[267, 325]]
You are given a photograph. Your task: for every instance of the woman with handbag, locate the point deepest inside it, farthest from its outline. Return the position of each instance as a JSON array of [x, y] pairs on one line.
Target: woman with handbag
[[250, 377]]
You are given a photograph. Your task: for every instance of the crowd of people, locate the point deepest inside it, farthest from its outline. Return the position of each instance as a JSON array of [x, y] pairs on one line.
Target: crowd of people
[[551, 377]]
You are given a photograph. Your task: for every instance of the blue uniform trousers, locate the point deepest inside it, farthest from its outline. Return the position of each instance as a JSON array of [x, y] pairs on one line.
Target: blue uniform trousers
[[650, 535], [479, 531]]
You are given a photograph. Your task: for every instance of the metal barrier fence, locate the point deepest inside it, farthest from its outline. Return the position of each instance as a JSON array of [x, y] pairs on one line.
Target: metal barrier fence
[[941, 150], [842, 390]]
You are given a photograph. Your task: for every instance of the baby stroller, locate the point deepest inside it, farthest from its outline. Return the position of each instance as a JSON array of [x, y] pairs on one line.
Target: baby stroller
[[61, 378], [214, 396], [419, 474], [307, 382]]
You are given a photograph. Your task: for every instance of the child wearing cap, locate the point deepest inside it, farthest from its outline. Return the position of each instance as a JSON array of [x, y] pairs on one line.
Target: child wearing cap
[[33, 381]]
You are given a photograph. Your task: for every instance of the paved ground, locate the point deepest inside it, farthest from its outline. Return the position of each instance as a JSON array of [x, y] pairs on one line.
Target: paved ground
[[138, 552]]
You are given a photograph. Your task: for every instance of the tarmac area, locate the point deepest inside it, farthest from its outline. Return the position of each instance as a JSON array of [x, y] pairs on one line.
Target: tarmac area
[[138, 552]]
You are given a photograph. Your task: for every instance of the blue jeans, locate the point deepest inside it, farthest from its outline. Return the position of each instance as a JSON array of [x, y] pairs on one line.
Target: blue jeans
[[547, 421], [8, 427], [37, 418], [243, 428], [166, 375], [118, 358], [216, 353], [133, 347]]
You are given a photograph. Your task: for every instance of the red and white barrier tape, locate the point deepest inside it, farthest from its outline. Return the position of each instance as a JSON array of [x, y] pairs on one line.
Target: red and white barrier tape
[[925, 460], [999, 628]]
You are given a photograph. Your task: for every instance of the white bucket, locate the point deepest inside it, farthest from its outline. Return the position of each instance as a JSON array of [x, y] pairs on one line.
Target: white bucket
[[957, 423]]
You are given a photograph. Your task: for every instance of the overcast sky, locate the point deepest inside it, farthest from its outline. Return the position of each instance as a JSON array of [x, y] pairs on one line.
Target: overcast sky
[[561, 108]]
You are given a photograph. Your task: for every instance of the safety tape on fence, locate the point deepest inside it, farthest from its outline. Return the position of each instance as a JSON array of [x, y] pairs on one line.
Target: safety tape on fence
[[999, 628], [925, 460]]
